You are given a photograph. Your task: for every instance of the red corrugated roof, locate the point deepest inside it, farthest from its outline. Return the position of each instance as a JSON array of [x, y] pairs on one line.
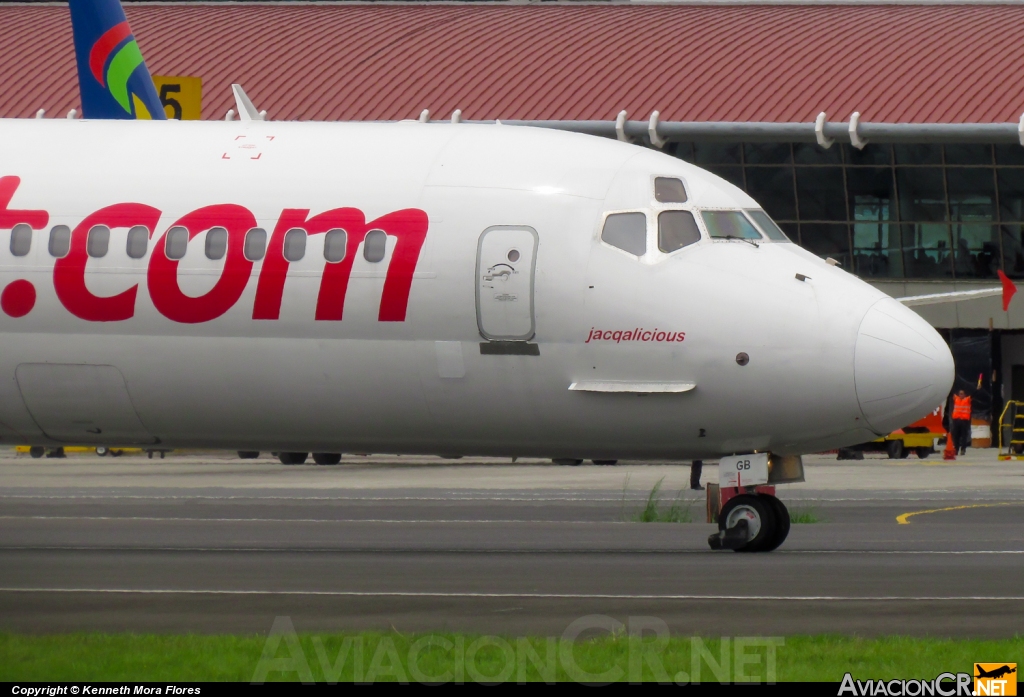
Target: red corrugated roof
[[895, 63]]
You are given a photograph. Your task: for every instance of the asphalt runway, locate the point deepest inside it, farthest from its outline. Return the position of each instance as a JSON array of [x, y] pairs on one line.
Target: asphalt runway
[[209, 543]]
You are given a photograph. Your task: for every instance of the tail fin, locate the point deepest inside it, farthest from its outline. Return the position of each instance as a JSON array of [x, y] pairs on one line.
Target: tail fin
[[112, 75]]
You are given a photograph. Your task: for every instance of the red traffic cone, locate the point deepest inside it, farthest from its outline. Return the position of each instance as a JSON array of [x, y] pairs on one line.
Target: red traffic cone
[[950, 452]]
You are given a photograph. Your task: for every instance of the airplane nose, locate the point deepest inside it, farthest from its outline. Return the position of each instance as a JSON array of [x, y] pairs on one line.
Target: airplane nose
[[902, 367]]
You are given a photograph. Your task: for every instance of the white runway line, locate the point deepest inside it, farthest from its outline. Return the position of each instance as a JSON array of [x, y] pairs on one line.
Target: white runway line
[[311, 520], [490, 550], [640, 497], [632, 496], [540, 596]]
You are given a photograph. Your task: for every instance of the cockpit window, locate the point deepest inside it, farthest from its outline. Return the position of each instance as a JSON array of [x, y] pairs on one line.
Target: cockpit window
[[729, 225], [767, 225], [626, 231], [676, 229], [669, 190]]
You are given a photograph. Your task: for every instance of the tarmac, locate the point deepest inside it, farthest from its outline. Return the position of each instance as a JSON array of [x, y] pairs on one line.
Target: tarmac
[[206, 542]]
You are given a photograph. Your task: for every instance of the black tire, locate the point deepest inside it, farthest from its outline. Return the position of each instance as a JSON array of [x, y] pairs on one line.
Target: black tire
[[248, 454], [924, 452], [37, 451], [760, 516], [895, 450], [326, 458], [605, 462], [292, 458], [782, 523], [570, 461]]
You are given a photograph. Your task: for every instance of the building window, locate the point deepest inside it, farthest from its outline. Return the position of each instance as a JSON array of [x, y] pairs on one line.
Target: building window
[[887, 211]]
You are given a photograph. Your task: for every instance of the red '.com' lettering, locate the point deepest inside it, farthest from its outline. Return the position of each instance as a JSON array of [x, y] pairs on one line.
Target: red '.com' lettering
[[408, 227]]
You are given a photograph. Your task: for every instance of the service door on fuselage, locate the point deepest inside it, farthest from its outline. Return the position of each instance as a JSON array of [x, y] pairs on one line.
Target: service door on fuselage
[[506, 263]]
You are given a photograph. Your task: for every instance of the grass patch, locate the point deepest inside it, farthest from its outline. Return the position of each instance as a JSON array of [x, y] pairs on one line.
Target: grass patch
[[801, 516], [654, 511], [388, 656]]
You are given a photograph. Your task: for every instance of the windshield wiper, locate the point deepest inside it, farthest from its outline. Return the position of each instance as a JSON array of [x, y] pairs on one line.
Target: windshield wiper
[[741, 239]]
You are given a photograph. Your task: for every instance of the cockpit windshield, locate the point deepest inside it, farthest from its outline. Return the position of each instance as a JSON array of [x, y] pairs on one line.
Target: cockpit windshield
[[767, 225], [729, 225]]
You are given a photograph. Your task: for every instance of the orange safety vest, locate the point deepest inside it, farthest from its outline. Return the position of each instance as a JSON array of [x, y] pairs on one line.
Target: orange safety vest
[[962, 408]]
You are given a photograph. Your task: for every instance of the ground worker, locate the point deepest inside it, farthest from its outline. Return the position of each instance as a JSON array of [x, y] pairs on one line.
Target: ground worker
[[960, 423], [695, 468]]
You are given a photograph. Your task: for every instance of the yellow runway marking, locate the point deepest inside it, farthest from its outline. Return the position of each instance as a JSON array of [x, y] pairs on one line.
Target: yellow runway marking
[[902, 519]]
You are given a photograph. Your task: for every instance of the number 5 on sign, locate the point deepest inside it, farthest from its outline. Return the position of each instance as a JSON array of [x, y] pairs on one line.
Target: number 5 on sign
[[743, 470], [182, 97]]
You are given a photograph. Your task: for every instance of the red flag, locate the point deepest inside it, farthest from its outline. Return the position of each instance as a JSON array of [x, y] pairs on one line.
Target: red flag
[[1009, 288]]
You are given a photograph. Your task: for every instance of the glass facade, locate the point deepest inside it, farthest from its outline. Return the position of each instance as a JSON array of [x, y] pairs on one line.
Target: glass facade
[[887, 211]]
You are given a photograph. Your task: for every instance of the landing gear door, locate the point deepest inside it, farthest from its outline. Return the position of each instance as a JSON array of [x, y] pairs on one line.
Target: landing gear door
[[81, 404], [506, 261]]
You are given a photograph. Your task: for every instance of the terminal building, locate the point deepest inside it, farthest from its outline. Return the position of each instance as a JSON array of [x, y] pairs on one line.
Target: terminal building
[[913, 179]]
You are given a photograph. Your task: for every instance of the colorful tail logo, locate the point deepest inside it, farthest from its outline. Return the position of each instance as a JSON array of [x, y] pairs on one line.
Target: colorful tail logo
[[112, 75]]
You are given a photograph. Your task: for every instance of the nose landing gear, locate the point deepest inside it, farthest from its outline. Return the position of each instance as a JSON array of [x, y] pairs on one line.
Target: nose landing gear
[[751, 523], [750, 518]]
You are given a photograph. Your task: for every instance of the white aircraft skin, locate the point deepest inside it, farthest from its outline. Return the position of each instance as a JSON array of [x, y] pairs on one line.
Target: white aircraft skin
[[832, 361]]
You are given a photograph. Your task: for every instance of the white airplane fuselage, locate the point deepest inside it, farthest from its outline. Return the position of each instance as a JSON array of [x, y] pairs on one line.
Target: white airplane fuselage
[[451, 343]]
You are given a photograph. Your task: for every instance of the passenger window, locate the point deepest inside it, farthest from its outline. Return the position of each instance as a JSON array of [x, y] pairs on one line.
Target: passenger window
[[669, 190], [216, 243], [626, 231], [334, 245], [98, 241], [60, 241], [255, 244], [676, 229], [375, 245], [21, 239], [767, 225], [295, 244], [138, 241], [729, 225], [177, 242]]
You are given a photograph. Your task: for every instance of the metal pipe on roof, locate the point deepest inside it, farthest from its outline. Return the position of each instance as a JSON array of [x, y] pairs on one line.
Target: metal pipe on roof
[[806, 132]]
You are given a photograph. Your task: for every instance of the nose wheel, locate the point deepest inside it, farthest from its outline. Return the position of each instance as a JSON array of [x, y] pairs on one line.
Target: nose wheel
[[751, 523]]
